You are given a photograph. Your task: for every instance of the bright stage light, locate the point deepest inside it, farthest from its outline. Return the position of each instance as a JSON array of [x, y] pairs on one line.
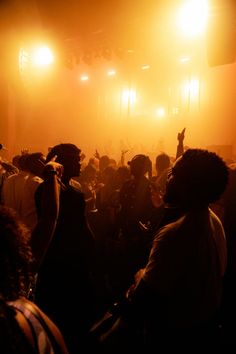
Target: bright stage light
[[129, 96], [84, 78], [184, 60], [190, 89], [111, 73], [42, 56], [145, 67], [160, 112], [192, 17]]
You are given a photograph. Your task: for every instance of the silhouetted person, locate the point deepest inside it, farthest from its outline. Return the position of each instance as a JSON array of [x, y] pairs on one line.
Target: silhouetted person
[[64, 280], [179, 291]]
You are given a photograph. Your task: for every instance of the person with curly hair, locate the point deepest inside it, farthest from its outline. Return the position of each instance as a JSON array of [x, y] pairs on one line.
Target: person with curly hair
[[24, 327]]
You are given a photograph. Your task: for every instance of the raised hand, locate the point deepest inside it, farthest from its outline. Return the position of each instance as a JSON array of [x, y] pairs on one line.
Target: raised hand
[[97, 155], [181, 135], [54, 167]]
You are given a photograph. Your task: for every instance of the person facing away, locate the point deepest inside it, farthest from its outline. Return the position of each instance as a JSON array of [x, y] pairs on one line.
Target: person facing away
[[179, 291], [64, 285], [24, 327], [19, 189]]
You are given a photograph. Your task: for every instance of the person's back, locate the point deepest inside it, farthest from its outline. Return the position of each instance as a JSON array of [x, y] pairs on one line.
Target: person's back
[[195, 248], [19, 189]]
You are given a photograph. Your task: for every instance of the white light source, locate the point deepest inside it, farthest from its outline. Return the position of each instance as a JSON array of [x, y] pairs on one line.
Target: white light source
[[111, 73], [160, 112], [42, 56], [145, 67], [192, 17], [184, 60], [129, 96], [84, 78]]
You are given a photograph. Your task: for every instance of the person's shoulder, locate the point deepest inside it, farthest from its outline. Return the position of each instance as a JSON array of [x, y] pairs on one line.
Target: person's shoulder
[[214, 217], [216, 222], [170, 230], [53, 336]]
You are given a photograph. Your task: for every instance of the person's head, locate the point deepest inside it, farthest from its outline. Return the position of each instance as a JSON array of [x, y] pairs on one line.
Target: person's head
[[34, 163], [197, 178], [139, 165], [88, 174], [162, 162], [15, 161], [122, 175], [94, 162], [103, 162], [67, 155], [15, 255]]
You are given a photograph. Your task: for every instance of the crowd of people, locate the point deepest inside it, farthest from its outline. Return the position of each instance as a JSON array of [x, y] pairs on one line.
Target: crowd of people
[[77, 238]]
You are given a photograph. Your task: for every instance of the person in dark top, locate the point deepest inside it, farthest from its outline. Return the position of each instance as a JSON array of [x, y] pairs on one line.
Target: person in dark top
[[179, 292], [64, 283], [136, 213]]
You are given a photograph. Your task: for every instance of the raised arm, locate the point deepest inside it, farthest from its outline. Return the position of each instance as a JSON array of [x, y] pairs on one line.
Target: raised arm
[[180, 146], [44, 230]]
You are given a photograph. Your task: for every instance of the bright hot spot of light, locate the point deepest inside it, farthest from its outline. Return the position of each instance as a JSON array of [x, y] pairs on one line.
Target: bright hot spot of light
[[191, 88], [192, 17], [129, 96], [111, 72], [84, 78], [42, 56], [160, 112]]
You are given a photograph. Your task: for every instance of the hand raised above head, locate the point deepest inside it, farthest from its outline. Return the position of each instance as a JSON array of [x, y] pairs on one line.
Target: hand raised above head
[[97, 155], [181, 135]]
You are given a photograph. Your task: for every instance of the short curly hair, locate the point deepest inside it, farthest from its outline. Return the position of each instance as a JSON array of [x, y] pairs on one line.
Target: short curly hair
[[201, 177]]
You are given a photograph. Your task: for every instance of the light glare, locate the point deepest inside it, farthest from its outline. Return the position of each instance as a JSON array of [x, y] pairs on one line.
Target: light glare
[[145, 67], [42, 56], [84, 78], [160, 112], [111, 72], [129, 96], [192, 17]]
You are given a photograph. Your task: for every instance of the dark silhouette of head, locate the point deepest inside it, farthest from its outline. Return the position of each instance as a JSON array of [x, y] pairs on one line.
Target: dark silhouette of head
[[20, 162], [104, 162], [197, 178], [139, 165], [162, 162], [34, 163], [69, 156]]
